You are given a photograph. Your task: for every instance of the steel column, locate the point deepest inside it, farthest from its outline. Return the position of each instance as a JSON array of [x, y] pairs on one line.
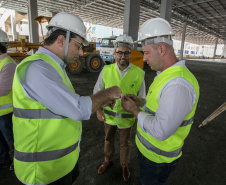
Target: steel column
[[33, 25], [215, 48], [166, 9], [131, 18], [182, 41]]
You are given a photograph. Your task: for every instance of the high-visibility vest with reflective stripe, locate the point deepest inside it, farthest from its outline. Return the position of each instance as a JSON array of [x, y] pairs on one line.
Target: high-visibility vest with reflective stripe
[[129, 84], [170, 149], [6, 102], [46, 144]]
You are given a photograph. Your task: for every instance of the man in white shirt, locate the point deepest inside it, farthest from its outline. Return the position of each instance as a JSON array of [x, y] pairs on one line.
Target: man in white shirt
[[170, 105], [130, 79], [47, 113]]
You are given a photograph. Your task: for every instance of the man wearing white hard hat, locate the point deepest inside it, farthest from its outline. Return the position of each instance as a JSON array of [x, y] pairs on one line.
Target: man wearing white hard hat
[[170, 105], [130, 79], [7, 69], [47, 112]]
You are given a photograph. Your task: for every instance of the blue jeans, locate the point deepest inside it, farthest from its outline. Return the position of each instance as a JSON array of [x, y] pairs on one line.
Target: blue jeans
[[6, 136], [152, 173]]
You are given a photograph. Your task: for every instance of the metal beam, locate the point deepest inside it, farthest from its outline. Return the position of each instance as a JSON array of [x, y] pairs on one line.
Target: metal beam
[[215, 48], [182, 41], [166, 9], [33, 26], [131, 18]]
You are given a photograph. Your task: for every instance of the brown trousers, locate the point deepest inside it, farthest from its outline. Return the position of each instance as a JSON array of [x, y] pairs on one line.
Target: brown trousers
[[125, 145]]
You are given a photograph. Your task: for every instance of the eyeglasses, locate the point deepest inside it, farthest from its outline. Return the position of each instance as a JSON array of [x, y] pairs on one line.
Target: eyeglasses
[[81, 46], [126, 53]]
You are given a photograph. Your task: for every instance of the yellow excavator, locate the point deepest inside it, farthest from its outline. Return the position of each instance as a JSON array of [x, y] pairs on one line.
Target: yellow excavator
[[19, 50], [90, 60]]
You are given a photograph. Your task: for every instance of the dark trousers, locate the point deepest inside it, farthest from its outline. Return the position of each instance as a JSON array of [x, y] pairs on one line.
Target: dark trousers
[[6, 136], [152, 173], [68, 179]]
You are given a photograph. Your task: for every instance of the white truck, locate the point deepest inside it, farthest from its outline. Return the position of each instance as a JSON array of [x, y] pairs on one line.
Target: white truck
[[107, 49]]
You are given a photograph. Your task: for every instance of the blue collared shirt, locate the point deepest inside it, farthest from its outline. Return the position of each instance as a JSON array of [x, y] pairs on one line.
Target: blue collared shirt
[[44, 84]]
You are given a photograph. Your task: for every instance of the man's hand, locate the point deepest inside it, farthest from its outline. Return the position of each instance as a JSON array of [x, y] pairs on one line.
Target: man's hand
[[100, 115], [136, 99], [114, 92], [110, 103], [102, 97], [129, 105]]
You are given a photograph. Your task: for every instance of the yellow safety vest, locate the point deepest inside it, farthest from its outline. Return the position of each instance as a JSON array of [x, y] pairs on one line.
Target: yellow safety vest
[[6, 102], [129, 84], [46, 144], [170, 149]]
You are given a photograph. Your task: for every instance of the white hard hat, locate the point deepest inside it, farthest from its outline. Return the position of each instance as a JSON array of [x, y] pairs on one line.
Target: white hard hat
[[3, 37], [155, 27], [69, 22], [124, 40]]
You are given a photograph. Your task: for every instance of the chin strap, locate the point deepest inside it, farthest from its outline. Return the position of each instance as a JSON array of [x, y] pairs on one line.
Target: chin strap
[[66, 46]]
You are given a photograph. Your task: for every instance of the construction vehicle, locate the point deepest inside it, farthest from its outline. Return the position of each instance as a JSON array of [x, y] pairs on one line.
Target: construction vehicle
[[90, 60], [107, 50], [20, 50], [40, 20]]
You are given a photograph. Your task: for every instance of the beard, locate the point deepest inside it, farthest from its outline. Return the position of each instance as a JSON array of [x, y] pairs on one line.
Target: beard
[[123, 62]]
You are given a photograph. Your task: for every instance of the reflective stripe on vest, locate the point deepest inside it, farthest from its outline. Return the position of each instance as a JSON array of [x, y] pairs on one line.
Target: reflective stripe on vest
[[6, 106], [184, 123], [130, 83], [44, 156], [46, 144], [35, 114], [169, 149], [152, 148], [111, 113], [149, 111]]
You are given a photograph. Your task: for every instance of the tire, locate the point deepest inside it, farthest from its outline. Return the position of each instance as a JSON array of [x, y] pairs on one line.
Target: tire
[[76, 67], [94, 63]]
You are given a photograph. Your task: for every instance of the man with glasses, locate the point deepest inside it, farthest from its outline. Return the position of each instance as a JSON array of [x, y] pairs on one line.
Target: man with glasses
[[130, 79], [170, 108], [47, 113]]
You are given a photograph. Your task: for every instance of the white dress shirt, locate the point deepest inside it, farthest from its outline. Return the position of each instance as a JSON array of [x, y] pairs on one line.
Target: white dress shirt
[[100, 83], [44, 84], [176, 100]]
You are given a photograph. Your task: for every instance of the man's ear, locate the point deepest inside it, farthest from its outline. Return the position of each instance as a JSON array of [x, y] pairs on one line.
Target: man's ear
[[60, 41], [162, 49]]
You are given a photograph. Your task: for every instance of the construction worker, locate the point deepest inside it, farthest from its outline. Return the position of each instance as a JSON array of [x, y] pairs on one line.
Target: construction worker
[[130, 79], [47, 112], [7, 69], [170, 105]]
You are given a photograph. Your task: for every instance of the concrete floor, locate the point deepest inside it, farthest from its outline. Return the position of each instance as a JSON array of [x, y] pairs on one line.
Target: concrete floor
[[208, 60]]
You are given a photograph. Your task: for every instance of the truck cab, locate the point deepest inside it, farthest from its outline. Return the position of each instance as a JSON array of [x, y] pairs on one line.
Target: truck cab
[[107, 49]]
